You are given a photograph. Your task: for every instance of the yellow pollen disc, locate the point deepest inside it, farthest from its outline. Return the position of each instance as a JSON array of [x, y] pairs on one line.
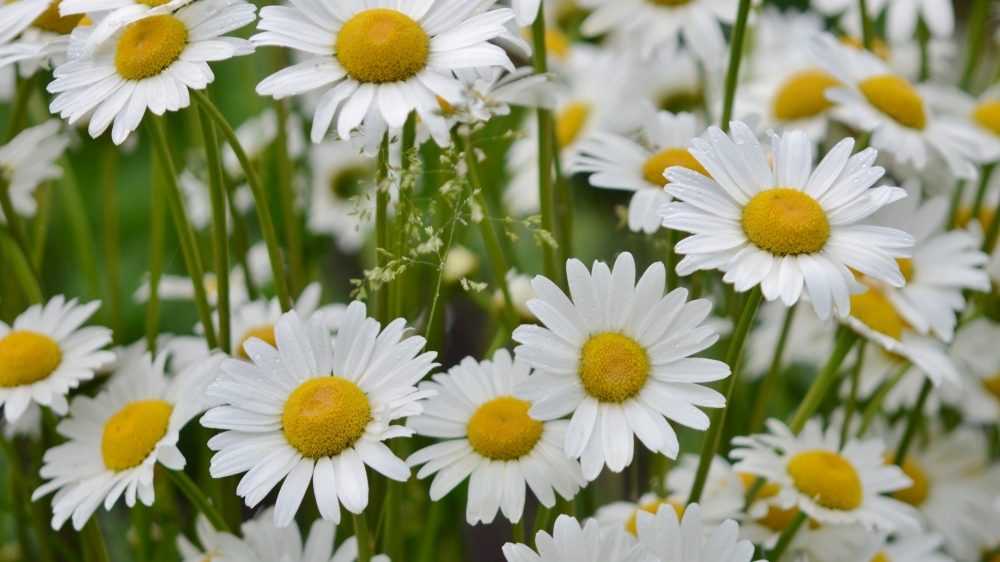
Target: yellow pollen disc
[[917, 493], [785, 222], [264, 332], [769, 490], [992, 385], [613, 367], [827, 478], [502, 431], [324, 416], [802, 95], [906, 268], [652, 507], [881, 556], [876, 312], [988, 115], [570, 122], [132, 434], [50, 20], [895, 97], [653, 169], [26, 358], [382, 45], [149, 46]]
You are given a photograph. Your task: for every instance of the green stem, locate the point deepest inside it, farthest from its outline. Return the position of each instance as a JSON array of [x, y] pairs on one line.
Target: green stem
[[956, 202], [923, 38], [713, 436], [429, 532], [157, 239], [767, 387], [241, 240], [40, 226], [109, 219], [517, 531], [293, 232], [198, 498], [786, 537], [541, 521], [14, 223], [974, 41], [19, 111], [911, 424], [984, 179], [867, 30], [990, 240], [364, 540], [185, 233], [852, 398], [22, 267], [823, 381], [260, 198], [735, 57], [382, 228], [25, 506], [92, 542], [141, 523], [563, 209], [876, 401], [673, 237], [546, 149], [220, 231], [437, 287], [83, 238]]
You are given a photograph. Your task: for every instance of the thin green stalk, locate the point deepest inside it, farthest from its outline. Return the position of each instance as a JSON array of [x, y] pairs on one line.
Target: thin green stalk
[[109, 220], [984, 179], [564, 209], [19, 111], [40, 226], [735, 57], [990, 240], [83, 237], [673, 237], [260, 198], [92, 542], [22, 268], [429, 532], [382, 228], [24, 504], [923, 39], [157, 239], [185, 233], [364, 540], [241, 240], [767, 387], [220, 231], [404, 208], [437, 286], [141, 524], [517, 531], [293, 226], [541, 521], [786, 537], [821, 384], [974, 41], [956, 202], [546, 150], [14, 223], [876, 401], [852, 398], [198, 499], [713, 435], [867, 30], [911, 424]]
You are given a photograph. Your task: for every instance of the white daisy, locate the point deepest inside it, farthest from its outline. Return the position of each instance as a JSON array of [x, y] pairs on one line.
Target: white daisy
[[491, 438], [570, 542], [43, 39], [830, 484], [282, 421], [150, 63], [684, 541], [880, 365], [910, 547], [28, 160], [519, 285], [342, 175], [45, 353], [216, 546], [485, 98], [380, 63], [977, 357], [617, 358], [116, 15], [15, 17], [790, 229], [180, 287], [896, 113], [675, 84], [617, 162], [116, 439], [270, 543]]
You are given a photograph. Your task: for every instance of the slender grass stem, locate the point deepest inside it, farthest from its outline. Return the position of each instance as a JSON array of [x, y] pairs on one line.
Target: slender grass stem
[[956, 202], [974, 42], [19, 111], [786, 537], [157, 240], [867, 29], [28, 509], [984, 180], [735, 57], [141, 524], [92, 542], [546, 149], [923, 39], [293, 225], [40, 226], [198, 499], [22, 267], [541, 521], [876, 401], [382, 228], [364, 539], [429, 533], [916, 414], [241, 241], [112, 248], [517, 531], [823, 381], [83, 238], [990, 240], [852, 398], [767, 387], [220, 231], [15, 226]]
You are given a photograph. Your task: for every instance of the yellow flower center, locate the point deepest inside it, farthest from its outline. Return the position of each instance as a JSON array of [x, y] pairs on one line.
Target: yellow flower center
[[785, 222], [557, 42], [987, 114], [613, 367], [651, 507], [653, 169], [27, 357], [570, 122], [992, 385], [502, 431], [876, 312], [382, 45], [349, 182], [827, 478], [895, 97], [802, 95], [50, 20], [149, 46], [906, 268], [131, 434], [324, 416], [263, 332], [881, 556], [917, 493]]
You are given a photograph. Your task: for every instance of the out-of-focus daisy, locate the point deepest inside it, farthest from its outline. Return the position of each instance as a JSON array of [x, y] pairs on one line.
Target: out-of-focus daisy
[[16, 16], [28, 160], [666, 535], [116, 439], [215, 545], [790, 229], [341, 176], [617, 358], [617, 162], [381, 63], [521, 293], [896, 113], [491, 438], [314, 412], [180, 287], [257, 133], [830, 484], [32, 46], [486, 98], [590, 543], [150, 63], [673, 84], [809, 341], [459, 263], [909, 547], [271, 543], [880, 365], [45, 353], [977, 357]]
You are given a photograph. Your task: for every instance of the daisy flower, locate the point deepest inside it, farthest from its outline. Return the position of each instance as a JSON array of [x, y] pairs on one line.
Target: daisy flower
[[45, 353], [311, 411], [116, 439], [28, 160], [524, 88], [616, 357], [617, 162], [521, 293], [590, 543], [901, 123], [341, 176], [910, 547], [491, 438], [116, 15], [674, 84], [379, 64], [977, 357], [790, 229], [150, 63], [830, 484], [181, 288], [270, 543], [15, 17], [683, 541], [215, 545], [42, 39]]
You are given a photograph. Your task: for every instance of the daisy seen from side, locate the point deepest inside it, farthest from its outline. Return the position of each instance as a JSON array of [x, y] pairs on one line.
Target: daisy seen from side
[[271, 543], [977, 357], [681, 539], [28, 160], [589, 543]]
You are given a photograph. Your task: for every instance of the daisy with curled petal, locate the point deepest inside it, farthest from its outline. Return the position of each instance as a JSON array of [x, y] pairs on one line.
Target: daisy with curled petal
[[830, 484], [485, 98], [216, 546], [617, 357], [977, 357], [28, 160], [116, 14], [896, 113], [45, 353], [116, 439], [379, 63], [492, 439], [617, 162], [312, 411], [590, 543], [149, 63], [790, 228], [683, 540], [271, 544]]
